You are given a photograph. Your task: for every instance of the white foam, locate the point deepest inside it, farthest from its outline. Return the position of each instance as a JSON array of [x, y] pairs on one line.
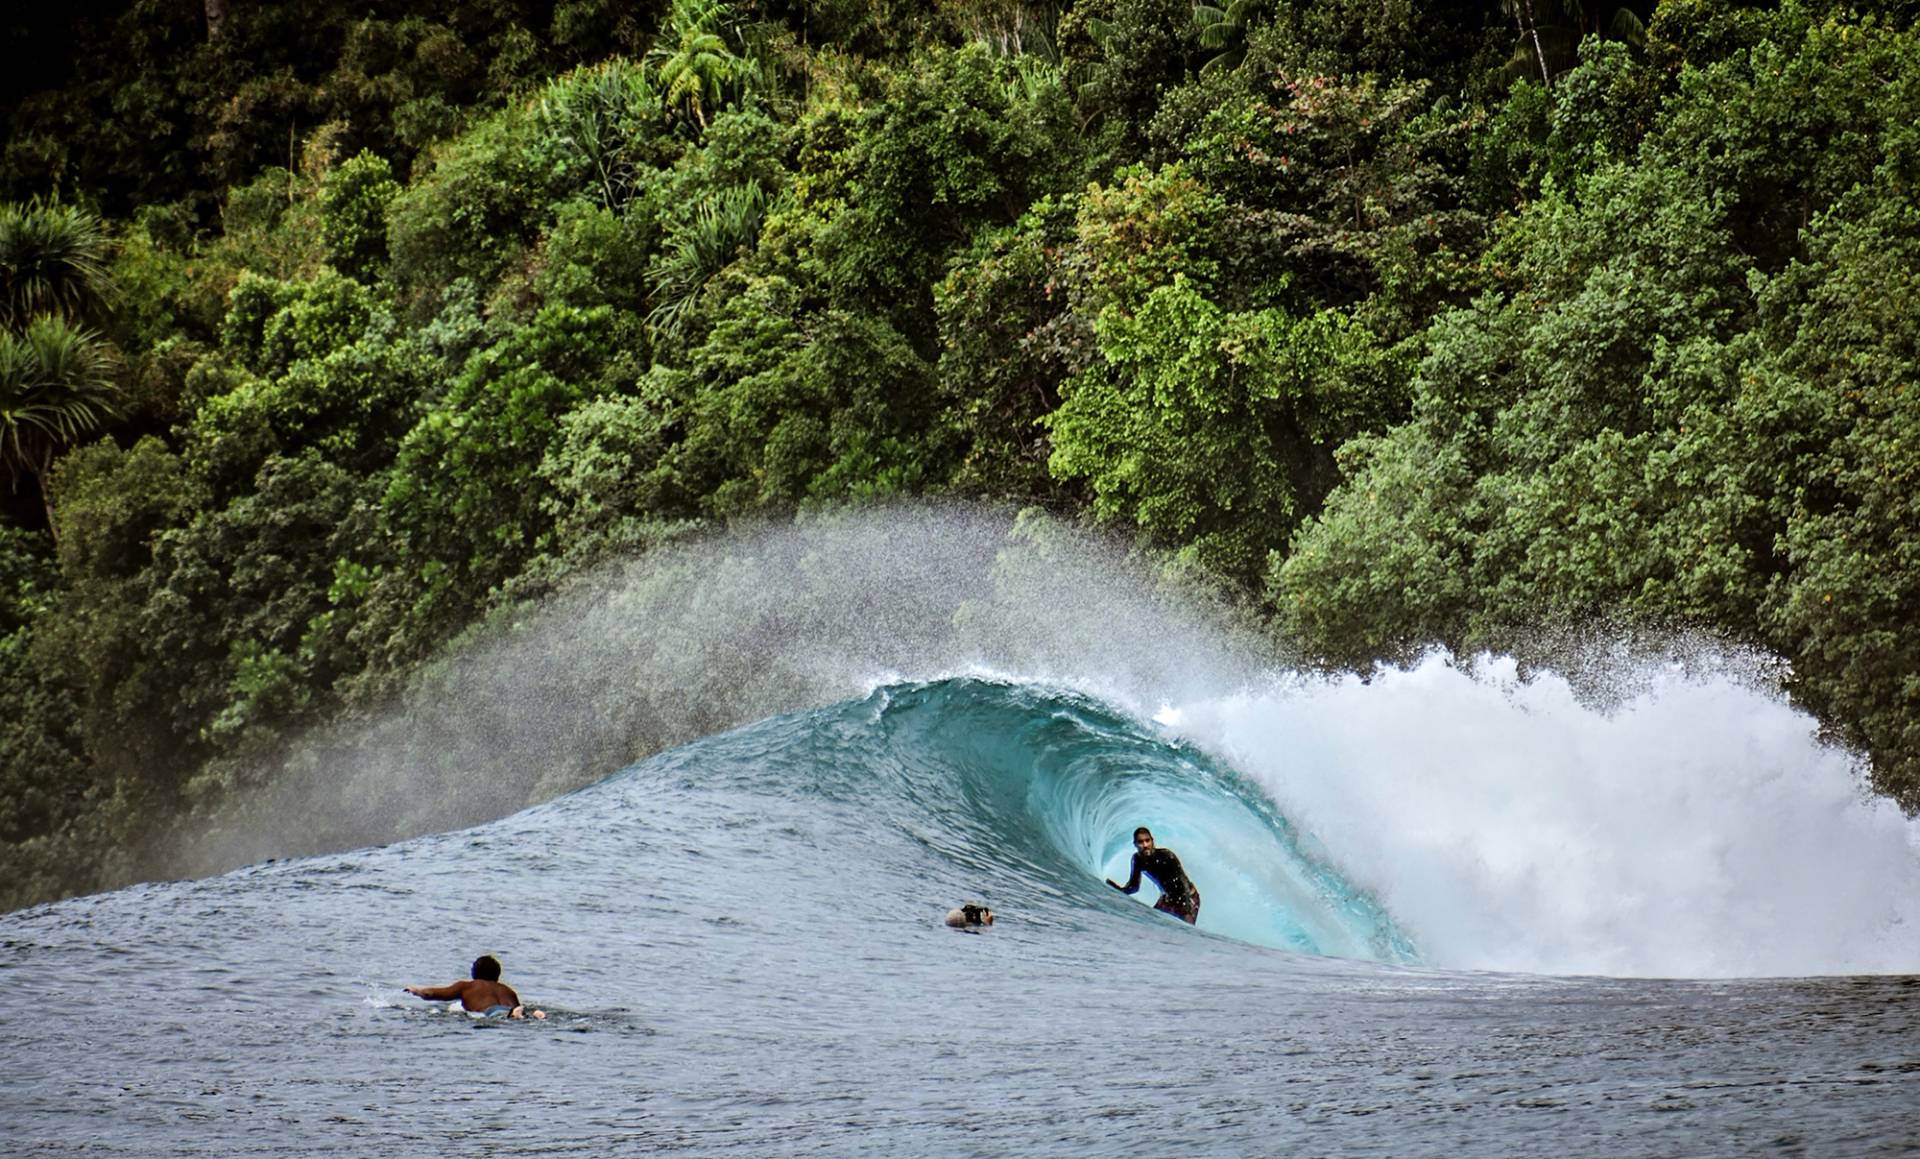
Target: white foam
[[1696, 828]]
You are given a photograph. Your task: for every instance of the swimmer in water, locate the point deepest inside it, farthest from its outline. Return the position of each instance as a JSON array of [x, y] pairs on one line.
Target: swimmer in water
[[970, 916], [1178, 896], [484, 994]]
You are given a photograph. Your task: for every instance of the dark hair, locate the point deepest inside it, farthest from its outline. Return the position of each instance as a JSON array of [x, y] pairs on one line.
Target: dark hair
[[974, 913], [486, 968], [1139, 831]]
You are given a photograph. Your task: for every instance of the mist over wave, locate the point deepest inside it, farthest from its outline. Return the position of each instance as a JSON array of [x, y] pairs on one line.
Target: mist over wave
[[700, 636], [1646, 817]]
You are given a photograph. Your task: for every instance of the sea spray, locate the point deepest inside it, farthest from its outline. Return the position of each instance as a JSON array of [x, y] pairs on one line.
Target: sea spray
[[700, 636]]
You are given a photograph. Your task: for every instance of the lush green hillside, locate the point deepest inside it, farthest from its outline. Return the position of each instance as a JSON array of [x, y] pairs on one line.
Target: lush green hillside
[[327, 332]]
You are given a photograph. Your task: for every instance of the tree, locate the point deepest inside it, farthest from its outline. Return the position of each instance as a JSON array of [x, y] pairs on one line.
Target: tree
[[1832, 406], [55, 383], [353, 206], [43, 777], [891, 190], [1008, 339], [1122, 52], [460, 500], [694, 60], [54, 387], [53, 260], [1223, 31], [1213, 431]]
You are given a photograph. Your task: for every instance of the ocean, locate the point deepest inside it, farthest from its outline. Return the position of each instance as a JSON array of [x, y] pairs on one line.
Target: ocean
[[1456, 906]]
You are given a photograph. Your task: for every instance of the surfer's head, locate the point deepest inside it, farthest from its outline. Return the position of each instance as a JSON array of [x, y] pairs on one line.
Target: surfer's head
[[486, 968], [969, 915], [1143, 839]]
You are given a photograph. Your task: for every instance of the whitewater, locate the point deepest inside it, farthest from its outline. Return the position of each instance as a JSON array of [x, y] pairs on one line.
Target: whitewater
[[709, 808]]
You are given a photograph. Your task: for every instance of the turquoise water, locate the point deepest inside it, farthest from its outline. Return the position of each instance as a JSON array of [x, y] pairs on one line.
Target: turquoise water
[[739, 941]]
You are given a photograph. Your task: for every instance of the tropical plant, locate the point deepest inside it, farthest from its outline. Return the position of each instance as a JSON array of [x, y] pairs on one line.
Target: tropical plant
[[1550, 32], [1121, 57], [1223, 31], [483, 201], [1214, 431], [722, 227], [1027, 80], [1007, 340], [54, 387], [353, 206], [53, 259], [694, 65], [459, 501], [599, 115]]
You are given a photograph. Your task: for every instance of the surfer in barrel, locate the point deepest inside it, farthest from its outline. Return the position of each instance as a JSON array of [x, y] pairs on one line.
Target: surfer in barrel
[[484, 993], [1178, 896]]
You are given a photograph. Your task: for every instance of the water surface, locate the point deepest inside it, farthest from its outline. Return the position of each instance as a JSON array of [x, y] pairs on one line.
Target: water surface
[[740, 945]]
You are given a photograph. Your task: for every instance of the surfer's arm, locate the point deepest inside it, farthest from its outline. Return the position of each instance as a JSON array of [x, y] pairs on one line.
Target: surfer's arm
[[1133, 882], [437, 993]]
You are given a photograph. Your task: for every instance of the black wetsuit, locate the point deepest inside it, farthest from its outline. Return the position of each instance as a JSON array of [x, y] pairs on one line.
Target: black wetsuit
[[1177, 893]]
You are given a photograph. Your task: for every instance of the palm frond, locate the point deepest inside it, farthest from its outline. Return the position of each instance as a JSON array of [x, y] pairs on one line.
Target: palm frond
[[1225, 62], [695, 65], [55, 385], [1223, 31], [597, 113], [1628, 28], [721, 229], [53, 258]]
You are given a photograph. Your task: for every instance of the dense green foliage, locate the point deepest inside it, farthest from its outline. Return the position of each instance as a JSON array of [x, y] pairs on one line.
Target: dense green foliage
[[328, 333]]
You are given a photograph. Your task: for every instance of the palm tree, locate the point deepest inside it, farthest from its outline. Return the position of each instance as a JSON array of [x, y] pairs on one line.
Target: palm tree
[[53, 259], [55, 373], [694, 62], [1223, 30], [55, 386]]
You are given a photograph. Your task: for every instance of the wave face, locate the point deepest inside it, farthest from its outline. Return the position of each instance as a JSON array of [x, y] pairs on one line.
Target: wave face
[[1040, 791]]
